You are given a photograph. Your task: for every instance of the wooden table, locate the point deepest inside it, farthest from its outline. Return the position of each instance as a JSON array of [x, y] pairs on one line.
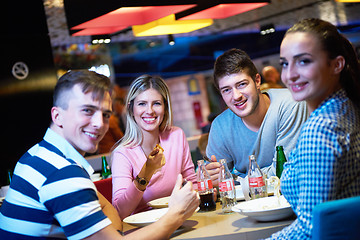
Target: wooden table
[[216, 225]]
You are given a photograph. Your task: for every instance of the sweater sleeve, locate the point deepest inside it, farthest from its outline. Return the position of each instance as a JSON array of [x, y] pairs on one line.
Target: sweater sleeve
[[126, 196], [188, 168]]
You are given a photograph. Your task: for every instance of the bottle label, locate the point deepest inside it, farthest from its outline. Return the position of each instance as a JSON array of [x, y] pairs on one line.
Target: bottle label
[[256, 182], [226, 185], [204, 185]]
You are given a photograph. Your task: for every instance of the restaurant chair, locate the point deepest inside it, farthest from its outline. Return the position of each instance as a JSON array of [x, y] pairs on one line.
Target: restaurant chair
[[338, 219], [104, 186]]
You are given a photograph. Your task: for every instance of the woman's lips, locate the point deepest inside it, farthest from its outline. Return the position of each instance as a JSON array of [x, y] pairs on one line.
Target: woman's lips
[[298, 87], [149, 119]]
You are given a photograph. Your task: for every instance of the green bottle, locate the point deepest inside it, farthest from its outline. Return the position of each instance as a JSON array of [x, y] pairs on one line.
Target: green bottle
[[9, 175], [280, 160], [105, 169]]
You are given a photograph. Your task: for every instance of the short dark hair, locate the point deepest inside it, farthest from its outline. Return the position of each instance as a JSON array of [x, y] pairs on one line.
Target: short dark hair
[[90, 81], [233, 61]]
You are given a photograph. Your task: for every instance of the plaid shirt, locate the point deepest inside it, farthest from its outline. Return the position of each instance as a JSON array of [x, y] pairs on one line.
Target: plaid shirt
[[325, 165]]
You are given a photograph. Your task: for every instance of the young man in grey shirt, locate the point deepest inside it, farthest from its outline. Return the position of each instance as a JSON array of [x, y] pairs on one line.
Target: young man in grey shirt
[[255, 122]]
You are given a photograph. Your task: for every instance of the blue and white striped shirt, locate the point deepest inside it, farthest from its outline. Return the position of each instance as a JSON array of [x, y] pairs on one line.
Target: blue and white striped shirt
[[51, 195], [325, 165]]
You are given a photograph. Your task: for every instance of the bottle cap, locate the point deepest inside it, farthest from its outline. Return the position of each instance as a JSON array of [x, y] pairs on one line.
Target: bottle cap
[[222, 161]]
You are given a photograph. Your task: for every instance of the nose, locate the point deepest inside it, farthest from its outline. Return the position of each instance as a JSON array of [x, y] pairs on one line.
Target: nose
[[290, 73], [149, 109], [97, 120], [237, 94]]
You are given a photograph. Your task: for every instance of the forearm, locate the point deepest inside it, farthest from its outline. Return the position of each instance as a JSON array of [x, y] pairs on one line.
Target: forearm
[[126, 200], [188, 172], [110, 212]]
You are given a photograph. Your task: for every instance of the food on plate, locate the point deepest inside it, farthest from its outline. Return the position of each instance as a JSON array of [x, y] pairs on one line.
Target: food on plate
[[158, 147], [160, 202], [275, 181]]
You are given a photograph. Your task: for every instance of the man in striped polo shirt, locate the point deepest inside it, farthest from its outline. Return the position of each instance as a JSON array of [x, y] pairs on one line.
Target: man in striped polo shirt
[[51, 195]]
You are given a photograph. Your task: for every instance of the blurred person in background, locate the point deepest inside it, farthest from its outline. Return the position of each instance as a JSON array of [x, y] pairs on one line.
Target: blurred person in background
[[51, 195], [271, 78], [115, 132], [320, 66], [138, 177], [255, 122], [206, 127]]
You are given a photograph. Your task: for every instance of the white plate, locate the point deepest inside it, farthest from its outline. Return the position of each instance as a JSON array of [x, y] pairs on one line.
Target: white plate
[[160, 202], [265, 209], [239, 193], [145, 218], [95, 177]]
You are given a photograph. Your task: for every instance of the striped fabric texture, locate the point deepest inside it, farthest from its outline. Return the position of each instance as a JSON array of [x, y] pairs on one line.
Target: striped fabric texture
[[51, 195]]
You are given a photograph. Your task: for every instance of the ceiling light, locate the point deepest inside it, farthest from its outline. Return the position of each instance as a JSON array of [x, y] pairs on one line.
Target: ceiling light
[[168, 25], [125, 17], [98, 39], [112, 17], [171, 40], [267, 29]]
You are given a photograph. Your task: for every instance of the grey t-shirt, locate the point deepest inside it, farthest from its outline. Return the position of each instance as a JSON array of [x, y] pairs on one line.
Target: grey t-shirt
[[230, 139]]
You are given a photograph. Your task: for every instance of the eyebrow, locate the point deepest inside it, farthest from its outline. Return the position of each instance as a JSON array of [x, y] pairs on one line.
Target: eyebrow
[[240, 81], [96, 108], [297, 56]]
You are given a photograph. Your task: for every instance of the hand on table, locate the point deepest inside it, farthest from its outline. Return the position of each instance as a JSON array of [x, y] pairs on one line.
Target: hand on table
[[184, 200], [213, 169]]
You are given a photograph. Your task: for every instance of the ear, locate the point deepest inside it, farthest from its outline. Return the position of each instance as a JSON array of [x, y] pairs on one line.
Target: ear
[[339, 64], [257, 81], [56, 116]]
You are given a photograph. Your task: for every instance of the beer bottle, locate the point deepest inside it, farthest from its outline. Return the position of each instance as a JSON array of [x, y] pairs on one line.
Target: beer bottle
[[257, 185], [280, 160], [205, 188], [105, 169], [8, 179]]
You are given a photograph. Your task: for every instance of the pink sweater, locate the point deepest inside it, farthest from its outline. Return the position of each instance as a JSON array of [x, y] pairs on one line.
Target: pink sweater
[[127, 163]]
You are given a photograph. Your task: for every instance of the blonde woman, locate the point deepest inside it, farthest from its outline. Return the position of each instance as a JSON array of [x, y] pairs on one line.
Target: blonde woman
[[152, 152]]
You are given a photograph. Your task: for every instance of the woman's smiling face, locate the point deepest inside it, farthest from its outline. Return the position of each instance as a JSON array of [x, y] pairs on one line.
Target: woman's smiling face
[[307, 70], [149, 110]]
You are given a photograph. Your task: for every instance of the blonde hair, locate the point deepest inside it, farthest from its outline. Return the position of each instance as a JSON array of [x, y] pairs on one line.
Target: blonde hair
[[133, 135]]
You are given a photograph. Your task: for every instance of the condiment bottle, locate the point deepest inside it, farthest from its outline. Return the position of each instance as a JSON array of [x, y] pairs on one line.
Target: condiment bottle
[[105, 169], [280, 160], [205, 188], [257, 186], [226, 188]]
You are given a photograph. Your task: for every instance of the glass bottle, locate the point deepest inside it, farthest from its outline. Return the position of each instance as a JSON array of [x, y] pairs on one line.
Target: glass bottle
[[9, 176], [205, 188], [257, 186], [105, 169], [280, 160], [226, 187]]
